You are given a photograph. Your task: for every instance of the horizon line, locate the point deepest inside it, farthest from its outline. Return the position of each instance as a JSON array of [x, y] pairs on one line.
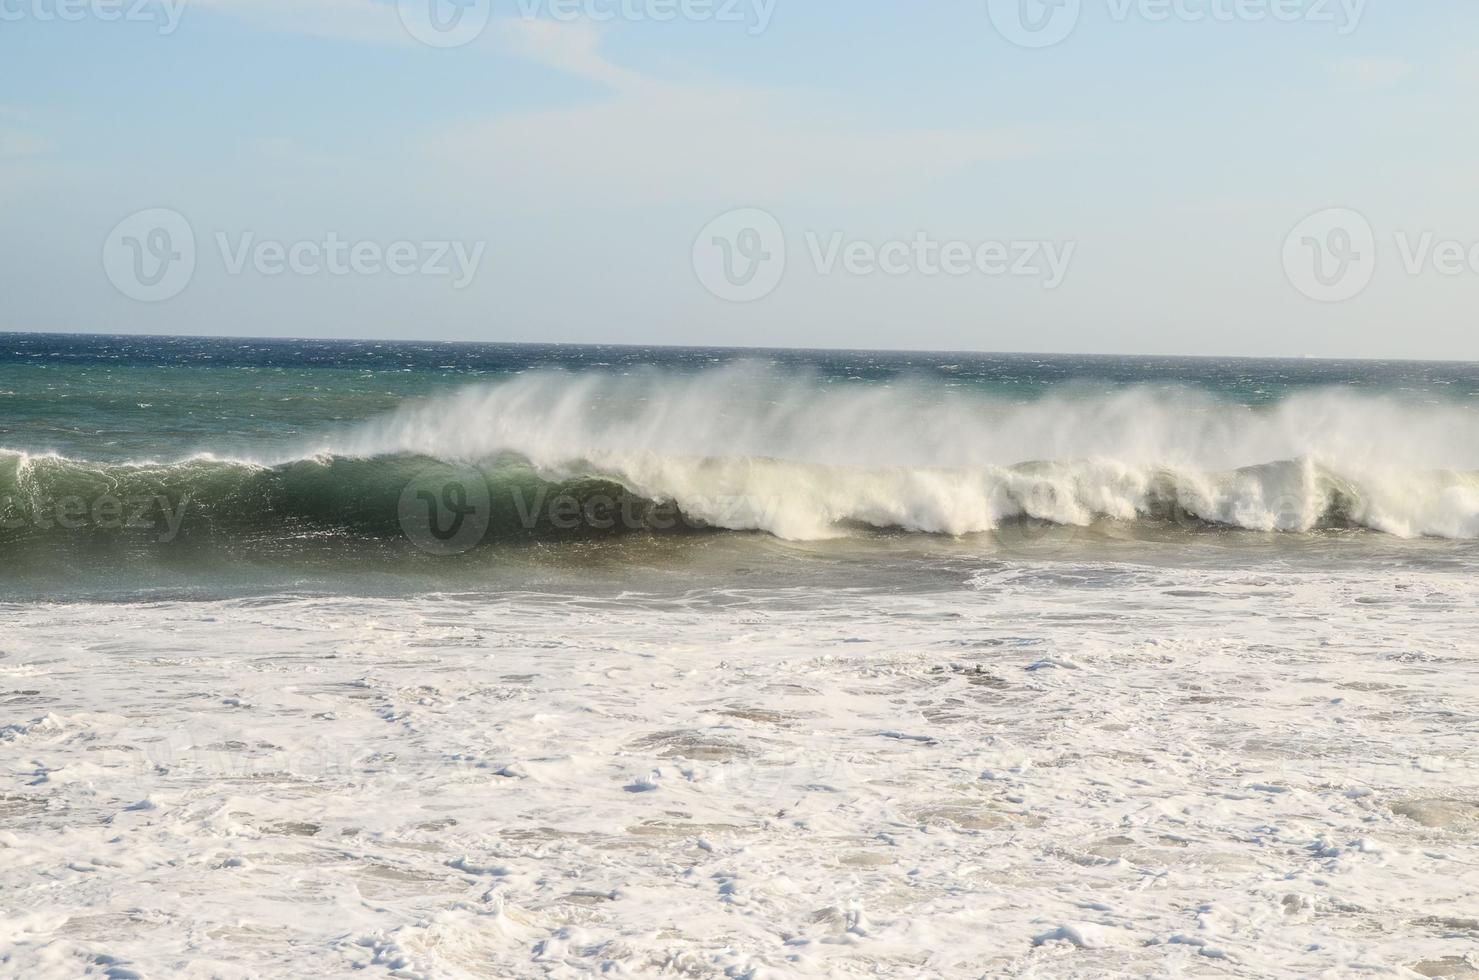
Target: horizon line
[[1296, 358]]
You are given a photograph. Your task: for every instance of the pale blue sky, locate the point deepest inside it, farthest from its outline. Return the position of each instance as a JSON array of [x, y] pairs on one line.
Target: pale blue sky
[[1174, 155]]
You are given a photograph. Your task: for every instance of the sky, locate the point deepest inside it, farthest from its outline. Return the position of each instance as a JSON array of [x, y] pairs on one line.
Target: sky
[[1220, 177]]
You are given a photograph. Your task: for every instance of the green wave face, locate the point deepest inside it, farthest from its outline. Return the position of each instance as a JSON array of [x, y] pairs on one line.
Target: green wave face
[[56, 511], [48, 503], [407, 507]]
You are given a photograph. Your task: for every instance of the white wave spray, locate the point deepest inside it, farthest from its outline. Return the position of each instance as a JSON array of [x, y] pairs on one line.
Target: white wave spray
[[803, 459]]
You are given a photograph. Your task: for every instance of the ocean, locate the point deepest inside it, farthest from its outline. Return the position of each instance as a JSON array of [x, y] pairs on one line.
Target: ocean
[[435, 660], [204, 467]]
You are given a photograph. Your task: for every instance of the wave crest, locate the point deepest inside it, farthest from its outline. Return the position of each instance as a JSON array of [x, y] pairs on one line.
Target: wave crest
[[802, 459], [809, 457]]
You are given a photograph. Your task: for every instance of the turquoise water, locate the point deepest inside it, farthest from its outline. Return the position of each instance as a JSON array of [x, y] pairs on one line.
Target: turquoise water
[[120, 398], [135, 464]]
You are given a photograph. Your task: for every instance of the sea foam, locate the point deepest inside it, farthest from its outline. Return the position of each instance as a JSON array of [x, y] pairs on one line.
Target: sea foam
[[803, 459]]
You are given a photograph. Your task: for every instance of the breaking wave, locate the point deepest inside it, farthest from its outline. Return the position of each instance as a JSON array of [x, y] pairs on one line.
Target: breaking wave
[[735, 449]]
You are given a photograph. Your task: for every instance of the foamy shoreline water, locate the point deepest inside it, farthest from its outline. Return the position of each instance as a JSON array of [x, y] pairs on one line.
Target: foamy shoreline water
[[1055, 770], [961, 665]]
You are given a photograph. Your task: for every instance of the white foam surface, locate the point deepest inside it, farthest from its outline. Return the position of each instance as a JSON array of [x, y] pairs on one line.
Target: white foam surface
[[1054, 771]]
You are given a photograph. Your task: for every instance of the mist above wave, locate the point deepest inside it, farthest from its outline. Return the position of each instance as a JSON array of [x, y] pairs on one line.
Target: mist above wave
[[802, 458]]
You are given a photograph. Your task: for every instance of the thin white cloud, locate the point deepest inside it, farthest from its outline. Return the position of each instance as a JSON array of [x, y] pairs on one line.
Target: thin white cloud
[[573, 48], [647, 141]]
